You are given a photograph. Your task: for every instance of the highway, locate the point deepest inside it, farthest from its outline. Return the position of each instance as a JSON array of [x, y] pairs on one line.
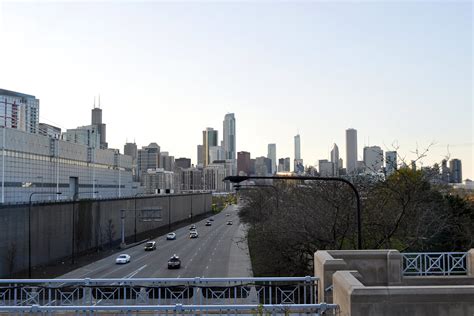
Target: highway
[[219, 251]]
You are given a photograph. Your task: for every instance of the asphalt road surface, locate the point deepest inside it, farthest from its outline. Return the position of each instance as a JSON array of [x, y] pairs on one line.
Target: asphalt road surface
[[219, 251]]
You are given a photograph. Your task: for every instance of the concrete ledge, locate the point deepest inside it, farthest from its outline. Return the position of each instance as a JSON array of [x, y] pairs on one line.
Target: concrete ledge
[[324, 267], [438, 280], [355, 299]]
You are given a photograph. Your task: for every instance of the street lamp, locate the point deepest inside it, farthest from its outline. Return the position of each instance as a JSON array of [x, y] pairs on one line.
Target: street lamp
[[74, 198], [29, 227], [238, 179]]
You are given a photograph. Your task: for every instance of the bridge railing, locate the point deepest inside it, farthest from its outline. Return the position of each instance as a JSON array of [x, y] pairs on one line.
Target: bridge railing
[[434, 263], [43, 294]]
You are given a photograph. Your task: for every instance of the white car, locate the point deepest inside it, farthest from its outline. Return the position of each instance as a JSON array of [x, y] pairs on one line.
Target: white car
[[123, 258], [171, 236], [193, 234]]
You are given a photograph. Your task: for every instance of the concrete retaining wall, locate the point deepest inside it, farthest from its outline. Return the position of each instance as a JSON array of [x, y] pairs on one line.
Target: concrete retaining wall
[[95, 224]]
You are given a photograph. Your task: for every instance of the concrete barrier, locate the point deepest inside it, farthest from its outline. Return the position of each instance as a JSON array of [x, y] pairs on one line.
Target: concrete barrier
[[370, 282]]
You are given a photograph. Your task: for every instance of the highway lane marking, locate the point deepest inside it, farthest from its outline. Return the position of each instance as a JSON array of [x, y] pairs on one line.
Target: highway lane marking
[[135, 272]]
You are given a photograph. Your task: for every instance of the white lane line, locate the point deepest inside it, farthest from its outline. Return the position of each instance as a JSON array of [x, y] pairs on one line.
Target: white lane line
[[135, 272]]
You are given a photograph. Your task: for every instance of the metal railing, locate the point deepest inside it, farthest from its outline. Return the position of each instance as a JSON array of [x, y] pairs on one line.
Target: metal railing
[[434, 263], [187, 295]]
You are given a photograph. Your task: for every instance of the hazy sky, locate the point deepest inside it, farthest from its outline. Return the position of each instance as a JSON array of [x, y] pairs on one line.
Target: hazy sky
[[397, 71]]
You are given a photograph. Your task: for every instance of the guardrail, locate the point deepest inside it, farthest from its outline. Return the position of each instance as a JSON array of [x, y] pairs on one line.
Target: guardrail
[[307, 309], [434, 263], [297, 293]]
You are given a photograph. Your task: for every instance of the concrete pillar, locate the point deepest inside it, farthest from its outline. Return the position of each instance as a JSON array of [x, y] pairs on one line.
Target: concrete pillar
[[470, 262]]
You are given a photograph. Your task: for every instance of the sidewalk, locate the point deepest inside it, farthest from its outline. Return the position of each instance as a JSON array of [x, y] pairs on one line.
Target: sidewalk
[[239, 262]]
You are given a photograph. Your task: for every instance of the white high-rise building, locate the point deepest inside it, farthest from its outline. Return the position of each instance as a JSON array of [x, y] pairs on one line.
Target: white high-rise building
[[373, 159], [229, 136], [216, 153], [297, 152], [272, 156], [390, 162], [335, 160], [19, 111], [326, 168], [351, 151]]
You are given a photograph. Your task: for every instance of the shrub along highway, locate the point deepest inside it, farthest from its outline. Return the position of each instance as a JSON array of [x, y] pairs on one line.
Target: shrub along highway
[[219, 251]]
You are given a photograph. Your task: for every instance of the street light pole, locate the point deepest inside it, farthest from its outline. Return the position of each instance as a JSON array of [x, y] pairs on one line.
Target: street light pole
[[238, 179], [169, 212], [29, 226]]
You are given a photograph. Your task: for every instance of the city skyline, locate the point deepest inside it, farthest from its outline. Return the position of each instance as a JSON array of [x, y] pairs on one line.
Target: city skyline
[[387, 102]]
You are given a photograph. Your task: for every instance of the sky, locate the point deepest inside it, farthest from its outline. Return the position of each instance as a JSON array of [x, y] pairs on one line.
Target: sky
[[400, 72]]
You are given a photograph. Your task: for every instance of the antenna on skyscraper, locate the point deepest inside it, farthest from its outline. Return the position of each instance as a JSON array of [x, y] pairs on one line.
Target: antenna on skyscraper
[[99, 101]]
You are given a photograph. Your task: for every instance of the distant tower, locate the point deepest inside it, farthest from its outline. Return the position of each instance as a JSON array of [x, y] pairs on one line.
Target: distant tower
[[373, 158], [455, 168], [200, 157], [209, 139], [229, 136], [97, 121], [390, 162], [335, 159], [271, 154], [297, 152], [351, 151]]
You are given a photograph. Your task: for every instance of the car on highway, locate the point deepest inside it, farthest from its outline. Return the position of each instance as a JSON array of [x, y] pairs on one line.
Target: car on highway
[[228, 214], [192, 227], [229, 222], [174, 262], [171, 236], [211, 219], [193, 234], [150, 245], [208, 223], [122, 259]]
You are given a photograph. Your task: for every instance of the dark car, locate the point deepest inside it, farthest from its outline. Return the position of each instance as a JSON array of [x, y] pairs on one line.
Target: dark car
[[229, 222], [174, 262], [193, 227], [211, 219], [208, 223], [150, 245]]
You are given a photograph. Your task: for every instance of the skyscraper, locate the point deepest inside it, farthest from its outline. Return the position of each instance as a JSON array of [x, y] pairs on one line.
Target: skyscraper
[[243, 163], [297, 152], [229, 136], [390, 162], [272, 156], [19, 110], [209, 139], [148, 158], [335, 160], [216, 153], [455, 168], [200, 155], [101, 127], [130, 149], [373, 159], [351, 151]]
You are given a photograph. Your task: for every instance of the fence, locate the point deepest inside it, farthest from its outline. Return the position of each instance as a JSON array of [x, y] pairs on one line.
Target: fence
[[178, 295], [435, 263]]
